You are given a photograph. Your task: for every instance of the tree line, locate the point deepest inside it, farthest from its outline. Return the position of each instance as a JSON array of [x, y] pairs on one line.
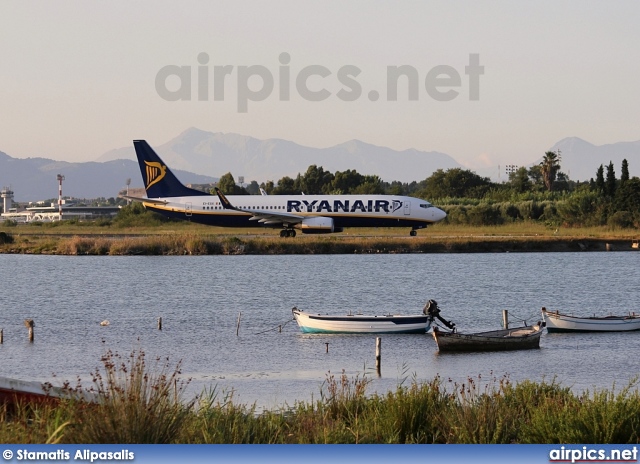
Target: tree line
[[317, 181], [539, 193]]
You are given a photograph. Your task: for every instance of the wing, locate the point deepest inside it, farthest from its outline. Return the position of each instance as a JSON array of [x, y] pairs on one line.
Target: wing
[[145, 200], [263, 216]]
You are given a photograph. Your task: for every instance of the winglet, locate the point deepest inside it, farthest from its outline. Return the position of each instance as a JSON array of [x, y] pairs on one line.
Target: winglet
[[226, 204]]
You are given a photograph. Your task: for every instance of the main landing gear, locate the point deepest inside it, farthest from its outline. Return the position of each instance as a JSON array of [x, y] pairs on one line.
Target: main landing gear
[[287, 233]]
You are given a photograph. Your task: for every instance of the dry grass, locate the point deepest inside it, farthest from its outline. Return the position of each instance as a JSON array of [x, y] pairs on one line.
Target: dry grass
[[185, 227], [193, 239]]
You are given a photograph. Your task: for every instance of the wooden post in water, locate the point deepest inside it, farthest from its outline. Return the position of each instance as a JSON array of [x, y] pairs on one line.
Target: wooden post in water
[[505, 318], [326, 347], [1, 336], [378, 354], [29, 324], [280, 328], [238, 323], [159, 323]]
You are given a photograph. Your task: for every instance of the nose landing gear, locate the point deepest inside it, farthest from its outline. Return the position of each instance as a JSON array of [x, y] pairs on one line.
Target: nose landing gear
[[414, 229]]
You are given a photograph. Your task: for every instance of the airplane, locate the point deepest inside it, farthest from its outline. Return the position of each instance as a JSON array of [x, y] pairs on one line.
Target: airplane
[[311, 214]]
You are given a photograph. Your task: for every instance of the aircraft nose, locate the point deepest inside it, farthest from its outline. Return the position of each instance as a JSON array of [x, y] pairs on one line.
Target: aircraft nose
[[438, 214]]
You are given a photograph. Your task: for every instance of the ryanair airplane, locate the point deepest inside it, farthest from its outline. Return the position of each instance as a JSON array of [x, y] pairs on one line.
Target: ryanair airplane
[[311, 214]]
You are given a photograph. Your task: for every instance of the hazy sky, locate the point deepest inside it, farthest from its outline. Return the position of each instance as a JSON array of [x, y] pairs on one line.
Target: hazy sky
[[79, 78]]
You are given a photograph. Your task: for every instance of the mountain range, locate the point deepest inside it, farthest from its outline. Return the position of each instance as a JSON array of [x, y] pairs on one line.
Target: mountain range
[[35, 179], [196, 150], [215, 154], [580, 159]]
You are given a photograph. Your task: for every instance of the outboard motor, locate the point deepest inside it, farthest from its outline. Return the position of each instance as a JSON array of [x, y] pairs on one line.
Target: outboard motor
[[432, 310]]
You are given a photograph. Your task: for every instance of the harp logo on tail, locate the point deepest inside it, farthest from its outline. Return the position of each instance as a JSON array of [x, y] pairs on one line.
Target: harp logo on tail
[[155, 172]]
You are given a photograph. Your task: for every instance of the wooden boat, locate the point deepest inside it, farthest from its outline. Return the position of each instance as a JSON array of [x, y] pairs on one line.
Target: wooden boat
[[558, 322], [14, 391], [519, 338]]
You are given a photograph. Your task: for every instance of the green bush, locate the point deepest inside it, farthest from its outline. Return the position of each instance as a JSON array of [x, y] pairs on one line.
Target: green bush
[[621, 220], [580, 209], [484, 215], [456, 214], [509, 211], [5, 238], [549, 211], [135, 215]]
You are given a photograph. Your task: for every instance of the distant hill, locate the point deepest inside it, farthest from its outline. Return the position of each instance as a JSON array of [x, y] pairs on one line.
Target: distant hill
[[215, 153], [34, 179], [581, 159]]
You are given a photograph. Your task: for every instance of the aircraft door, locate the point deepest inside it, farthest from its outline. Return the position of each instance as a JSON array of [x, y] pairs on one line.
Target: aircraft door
[[407, 208], [187, 209]]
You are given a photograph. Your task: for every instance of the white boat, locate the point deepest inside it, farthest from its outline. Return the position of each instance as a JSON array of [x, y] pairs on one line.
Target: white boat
[[558, 322], [359, 323], [519, 338]]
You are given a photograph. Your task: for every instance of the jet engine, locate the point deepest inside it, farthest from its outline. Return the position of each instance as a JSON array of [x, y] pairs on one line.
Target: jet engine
[[318, 225]]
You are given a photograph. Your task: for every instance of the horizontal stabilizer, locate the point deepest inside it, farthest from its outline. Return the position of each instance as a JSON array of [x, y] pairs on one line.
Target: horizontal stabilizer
[[144, 200]]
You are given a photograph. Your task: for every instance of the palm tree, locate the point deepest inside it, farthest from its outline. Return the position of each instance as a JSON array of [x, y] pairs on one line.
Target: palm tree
[[549, 167]]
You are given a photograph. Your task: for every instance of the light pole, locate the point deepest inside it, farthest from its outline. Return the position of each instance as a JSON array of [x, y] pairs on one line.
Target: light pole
[[60, 179]]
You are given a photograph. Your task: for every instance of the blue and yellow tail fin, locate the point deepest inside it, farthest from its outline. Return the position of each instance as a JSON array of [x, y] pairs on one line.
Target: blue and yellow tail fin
[[159, 181]]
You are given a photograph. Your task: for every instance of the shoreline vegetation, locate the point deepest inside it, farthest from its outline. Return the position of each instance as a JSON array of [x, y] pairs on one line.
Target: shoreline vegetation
[[538, 209], [142, 402], [92, 238]]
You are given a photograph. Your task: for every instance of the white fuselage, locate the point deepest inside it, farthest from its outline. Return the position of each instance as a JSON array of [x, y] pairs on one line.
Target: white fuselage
[[344, 210]]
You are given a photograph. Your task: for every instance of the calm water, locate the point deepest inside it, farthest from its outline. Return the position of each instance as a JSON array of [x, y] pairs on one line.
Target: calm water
[[199, 299]]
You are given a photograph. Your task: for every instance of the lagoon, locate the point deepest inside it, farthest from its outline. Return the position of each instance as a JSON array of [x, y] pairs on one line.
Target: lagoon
[[199, 299]]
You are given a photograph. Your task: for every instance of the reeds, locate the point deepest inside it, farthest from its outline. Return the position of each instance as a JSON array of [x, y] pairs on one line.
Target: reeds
[[136, 404], [144, 404]]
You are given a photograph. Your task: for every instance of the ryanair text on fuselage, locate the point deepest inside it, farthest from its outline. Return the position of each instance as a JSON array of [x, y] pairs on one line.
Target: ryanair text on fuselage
[[345, 206]]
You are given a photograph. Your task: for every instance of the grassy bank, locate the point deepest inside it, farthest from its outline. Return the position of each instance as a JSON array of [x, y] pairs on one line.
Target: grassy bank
[[191, 239], [142, 404]]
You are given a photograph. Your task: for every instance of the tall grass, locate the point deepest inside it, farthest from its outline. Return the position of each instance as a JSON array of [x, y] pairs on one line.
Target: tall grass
[[141, 403], [135, 404]]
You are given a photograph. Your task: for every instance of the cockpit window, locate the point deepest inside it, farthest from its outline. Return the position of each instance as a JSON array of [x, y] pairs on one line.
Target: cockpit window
[[426, 205]]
